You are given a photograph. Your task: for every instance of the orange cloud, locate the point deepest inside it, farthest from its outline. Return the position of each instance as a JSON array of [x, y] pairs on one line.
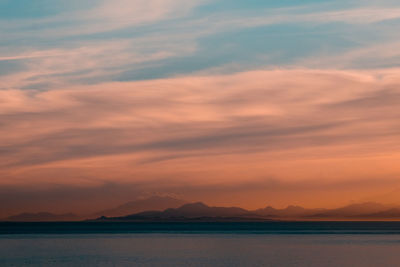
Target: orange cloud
[[291, 126]]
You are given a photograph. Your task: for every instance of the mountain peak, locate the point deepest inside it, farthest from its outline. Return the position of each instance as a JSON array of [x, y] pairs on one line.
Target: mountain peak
[[142, 204], [42, 216], [294, 207], [195, 205]]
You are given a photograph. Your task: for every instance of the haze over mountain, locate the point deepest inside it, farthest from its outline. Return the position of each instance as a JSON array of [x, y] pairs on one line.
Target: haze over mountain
[[153, 209], [354, 210], [393, 213], [42, 217], [201, 211], [290, 211], [139, 205], [190, 211]]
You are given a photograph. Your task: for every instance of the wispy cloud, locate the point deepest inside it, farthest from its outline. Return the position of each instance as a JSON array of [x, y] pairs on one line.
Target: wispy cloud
[[258, 115], [301, 15], [83, 62], [103, 15], [376, 56], [110, 40]]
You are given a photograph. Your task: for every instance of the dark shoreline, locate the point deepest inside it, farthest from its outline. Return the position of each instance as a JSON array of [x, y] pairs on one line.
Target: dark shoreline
[[271, 227]]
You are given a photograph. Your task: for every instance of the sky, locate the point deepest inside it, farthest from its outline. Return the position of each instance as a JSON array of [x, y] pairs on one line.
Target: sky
[[246, 103]]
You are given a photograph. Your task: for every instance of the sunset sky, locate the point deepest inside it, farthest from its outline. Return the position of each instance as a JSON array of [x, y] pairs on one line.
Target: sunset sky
[[246, 103]]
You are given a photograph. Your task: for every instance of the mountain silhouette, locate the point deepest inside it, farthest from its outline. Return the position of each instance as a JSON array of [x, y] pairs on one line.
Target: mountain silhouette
[[393, 213], [151, 203], [290, 211], [190, 211], [170, 209], [42, 217], [353, 210], [200, 210]]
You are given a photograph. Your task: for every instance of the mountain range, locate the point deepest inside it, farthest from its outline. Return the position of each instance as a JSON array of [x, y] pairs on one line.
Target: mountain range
[[164, 208], [143, 204], [192, 211], [138, 205], [42, 217], [200, 211]]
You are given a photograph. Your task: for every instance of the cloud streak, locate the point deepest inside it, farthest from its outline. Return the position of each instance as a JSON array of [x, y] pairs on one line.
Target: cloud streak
[[129, 40], [253, 117]]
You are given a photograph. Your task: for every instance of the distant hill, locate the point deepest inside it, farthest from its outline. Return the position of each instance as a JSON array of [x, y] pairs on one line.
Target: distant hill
[[170, 209], [151, 203], [289, 212], [353, 211], [192, 211], [200, 211], [393, 213], [42, 217]]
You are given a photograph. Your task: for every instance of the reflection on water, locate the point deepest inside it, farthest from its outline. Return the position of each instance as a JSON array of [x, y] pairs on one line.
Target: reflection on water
[[199, 250]]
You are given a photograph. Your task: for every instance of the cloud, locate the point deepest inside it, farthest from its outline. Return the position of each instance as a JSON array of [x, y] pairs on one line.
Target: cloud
[[174, 127], [102, 16], [226, 21], [128, 40], [354, 16], [375, 56], [84, 62]]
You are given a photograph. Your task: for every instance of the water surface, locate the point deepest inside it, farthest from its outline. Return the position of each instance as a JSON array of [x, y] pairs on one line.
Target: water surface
[[208, 244]]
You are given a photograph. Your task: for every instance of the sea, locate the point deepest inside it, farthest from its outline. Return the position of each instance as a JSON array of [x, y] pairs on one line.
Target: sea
[[200, 244]]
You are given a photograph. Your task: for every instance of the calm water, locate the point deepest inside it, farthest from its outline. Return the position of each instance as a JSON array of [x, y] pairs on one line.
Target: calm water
[[204, 244]]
